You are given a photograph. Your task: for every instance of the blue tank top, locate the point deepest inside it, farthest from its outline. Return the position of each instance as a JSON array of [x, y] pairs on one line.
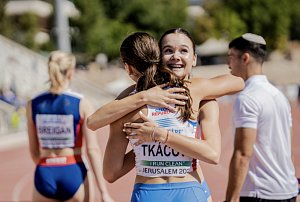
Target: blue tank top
[[57, 119]]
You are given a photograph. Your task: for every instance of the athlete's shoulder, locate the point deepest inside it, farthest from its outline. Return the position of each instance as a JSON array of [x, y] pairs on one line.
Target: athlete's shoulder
[[40, 94], [73, 94], [126, 92], [198, 80]]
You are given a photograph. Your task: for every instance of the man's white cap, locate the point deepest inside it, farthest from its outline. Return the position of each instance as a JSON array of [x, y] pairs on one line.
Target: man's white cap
[[254, 38]]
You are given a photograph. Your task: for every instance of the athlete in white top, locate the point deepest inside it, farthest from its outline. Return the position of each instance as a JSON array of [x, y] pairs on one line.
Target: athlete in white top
[[164, 158], [261, 167], [156, 159], [178, 49]]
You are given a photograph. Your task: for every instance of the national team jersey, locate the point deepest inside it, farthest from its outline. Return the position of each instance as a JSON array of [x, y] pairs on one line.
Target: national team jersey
[[57, 120], [155, 159]]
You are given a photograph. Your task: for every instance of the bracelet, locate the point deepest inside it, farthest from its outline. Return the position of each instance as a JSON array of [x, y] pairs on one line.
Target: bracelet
[[153, 134], [164, 142]]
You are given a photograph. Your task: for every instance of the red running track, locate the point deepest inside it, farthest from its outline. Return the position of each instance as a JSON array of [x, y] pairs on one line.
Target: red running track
[[16, 170]]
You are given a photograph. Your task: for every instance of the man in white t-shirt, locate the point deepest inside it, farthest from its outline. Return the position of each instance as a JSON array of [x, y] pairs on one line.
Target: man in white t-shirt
[[261, 168]]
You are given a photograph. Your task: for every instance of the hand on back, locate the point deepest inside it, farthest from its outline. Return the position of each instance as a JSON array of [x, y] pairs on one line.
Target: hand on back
[[159, 97]]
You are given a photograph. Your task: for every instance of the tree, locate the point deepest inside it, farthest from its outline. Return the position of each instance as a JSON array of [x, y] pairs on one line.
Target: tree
[[105, 36], [95, 33], [295, 21], [6, 27], [22, 28], [113, 7], [270, 18], [219, 22], [155, 16], [27, 29], [90, 12], [104, 24]]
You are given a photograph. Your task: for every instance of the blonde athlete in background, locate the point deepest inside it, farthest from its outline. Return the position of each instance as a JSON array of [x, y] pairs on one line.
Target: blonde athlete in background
[[56, 121]]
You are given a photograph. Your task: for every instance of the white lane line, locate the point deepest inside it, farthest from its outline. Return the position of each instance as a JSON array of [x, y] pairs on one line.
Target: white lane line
[[20, 185]]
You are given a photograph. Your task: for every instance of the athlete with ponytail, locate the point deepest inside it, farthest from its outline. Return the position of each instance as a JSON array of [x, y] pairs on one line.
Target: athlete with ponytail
[[56, 121], [166, 147]]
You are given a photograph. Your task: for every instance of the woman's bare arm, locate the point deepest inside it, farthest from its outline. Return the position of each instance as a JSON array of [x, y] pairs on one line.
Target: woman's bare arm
[[208, 149], [200, 89], [206, 89], [117, 162], [93, 151], [125, 104]]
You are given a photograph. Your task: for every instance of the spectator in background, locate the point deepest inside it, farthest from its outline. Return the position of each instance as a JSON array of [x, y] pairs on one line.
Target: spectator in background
[[56, 121], [261, 167]]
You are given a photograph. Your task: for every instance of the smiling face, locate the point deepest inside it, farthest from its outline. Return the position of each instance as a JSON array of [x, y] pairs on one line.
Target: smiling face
[[178, 54]]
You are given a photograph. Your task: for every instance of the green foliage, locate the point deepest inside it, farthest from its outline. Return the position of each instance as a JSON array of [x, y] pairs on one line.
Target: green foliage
[[202, 29], [226, 22], [270, 18], [106, 37], [154, 15], [104, 24], [6, 25], [24, 30], [90, 12], [295, 20], [113, 7]]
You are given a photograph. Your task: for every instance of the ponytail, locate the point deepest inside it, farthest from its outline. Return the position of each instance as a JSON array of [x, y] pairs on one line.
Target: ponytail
[[141, 51], [147, 80], [165, 75], [56, 77], [58, 65]]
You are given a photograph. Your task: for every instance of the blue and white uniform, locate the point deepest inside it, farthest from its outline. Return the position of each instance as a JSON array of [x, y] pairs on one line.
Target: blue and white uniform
[[58, 125], [155, 159]]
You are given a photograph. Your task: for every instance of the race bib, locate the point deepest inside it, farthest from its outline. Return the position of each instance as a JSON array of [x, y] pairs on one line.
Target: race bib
[[55, 131], [157, 160]]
